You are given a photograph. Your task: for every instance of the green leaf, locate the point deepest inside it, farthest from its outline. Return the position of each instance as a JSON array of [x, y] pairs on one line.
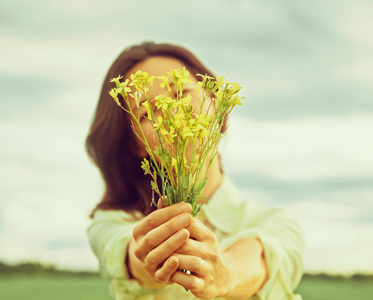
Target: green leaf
[[210, 85], [170, 195], [145, 166], [154, 185], [201, 185], [163, 155], [185, 183]]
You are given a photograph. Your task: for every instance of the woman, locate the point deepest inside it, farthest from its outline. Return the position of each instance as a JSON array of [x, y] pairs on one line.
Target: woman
[[233, 248]]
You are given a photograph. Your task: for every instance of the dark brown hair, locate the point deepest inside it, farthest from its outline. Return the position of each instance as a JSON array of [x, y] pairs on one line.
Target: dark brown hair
[[110, 137]]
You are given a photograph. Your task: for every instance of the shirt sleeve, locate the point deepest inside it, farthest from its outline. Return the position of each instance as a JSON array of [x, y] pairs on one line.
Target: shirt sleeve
[[109, 235], [284, 246]]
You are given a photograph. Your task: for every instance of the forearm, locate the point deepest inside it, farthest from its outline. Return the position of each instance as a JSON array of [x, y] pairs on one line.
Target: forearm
[[247, 266]]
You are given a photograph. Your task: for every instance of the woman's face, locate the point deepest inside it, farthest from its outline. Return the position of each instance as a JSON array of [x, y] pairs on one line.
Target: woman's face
[[159, 66]]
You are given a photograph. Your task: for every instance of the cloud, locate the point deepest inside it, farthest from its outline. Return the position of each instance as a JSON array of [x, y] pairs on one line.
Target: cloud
[[48, 186], [301, 140], [46, 203], [302, 149], [24, 92], [283, 192], [355, 24], [293, 60], [336, 239]]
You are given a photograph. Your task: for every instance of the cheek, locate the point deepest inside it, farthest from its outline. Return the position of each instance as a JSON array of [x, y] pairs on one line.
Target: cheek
[[138, 149], [150, 135], [208, 106]]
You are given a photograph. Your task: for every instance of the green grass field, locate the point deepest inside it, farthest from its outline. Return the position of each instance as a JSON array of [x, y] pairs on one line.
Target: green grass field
[[53, 288], [94, 288], [321, 289]]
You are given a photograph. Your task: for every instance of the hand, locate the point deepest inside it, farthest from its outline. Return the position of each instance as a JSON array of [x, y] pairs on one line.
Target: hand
[[155, 239], [210, 275]]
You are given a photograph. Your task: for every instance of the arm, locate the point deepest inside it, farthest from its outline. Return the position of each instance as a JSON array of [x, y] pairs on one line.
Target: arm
[[109, 234], [246, 252], [262, 257]]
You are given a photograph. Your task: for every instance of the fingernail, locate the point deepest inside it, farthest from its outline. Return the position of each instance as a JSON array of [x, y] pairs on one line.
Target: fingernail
[[185, 219], [172, 262], [185, 207], [182, 235]]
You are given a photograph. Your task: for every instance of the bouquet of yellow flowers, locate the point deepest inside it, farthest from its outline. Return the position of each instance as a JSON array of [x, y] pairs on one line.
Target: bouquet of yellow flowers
[[188, 136]]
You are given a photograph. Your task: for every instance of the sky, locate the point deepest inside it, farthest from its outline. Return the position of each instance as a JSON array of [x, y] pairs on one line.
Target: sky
[[301, 141]]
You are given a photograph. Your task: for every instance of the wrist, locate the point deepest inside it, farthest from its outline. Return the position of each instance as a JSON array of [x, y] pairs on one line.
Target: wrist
[[230, 285], [247, 268]]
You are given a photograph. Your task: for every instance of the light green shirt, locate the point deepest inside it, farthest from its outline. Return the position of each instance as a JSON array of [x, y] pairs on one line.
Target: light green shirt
[[232, 219]]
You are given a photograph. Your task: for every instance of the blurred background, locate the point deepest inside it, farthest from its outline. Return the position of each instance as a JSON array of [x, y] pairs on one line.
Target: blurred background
[[302, 140]]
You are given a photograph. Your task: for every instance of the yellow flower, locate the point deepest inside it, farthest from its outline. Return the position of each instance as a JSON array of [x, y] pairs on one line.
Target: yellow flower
[[174, 162], [178, 119], [220, 80], [219, 93], [165, 103], [204, 133], [235, 88], [179, 127], [185, 73], [116, 80], [179, 78], [165, 83], [236, 101], [159, 124], [184, 77], [114, 95], [187, 133], [175, 73], [124, 87], [185, 162], [199, 86], [159, 101], [140, 80], [186, 100], [135, 96], [148, 110], [203, 119], [145, 166], [164, 131], [205, 78], [172, 131], [140, 76]]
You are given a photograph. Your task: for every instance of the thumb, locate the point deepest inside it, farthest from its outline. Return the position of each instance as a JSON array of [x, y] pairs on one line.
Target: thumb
[[160, 203]]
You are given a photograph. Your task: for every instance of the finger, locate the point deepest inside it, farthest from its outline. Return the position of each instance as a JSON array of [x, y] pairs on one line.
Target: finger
[[158, 235], [199, 231], [159, 217], [190, 282], [165, 250], [191, 247], [169, 267], [194, 264], [161, 203]]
